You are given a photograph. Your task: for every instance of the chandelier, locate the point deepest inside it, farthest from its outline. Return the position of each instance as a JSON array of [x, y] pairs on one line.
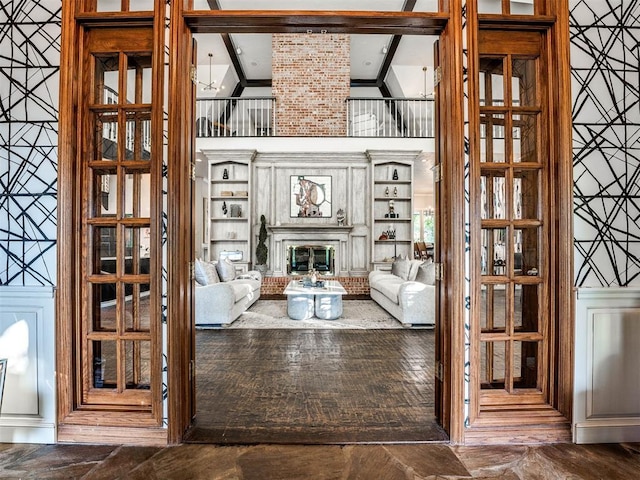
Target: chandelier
[[211, 86]]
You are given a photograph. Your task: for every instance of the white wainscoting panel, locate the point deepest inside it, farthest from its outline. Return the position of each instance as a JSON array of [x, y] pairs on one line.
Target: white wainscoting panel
[[27, 340], [607, 366]]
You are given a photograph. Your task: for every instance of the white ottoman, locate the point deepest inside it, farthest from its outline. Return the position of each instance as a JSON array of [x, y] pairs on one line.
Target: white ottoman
[[300, 306], [328, 307]]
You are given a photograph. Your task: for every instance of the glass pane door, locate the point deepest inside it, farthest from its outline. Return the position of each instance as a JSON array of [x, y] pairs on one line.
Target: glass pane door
[[118, 332], [512, 322]]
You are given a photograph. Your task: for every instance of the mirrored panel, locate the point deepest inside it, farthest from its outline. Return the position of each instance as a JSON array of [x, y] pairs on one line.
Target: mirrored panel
[[492, 141], [106, 136], [105, 188], [139, 86], [491, 81], [525, 364], [526, 188], [493, 194], [137, 364], [138, 135], [524, 82], [136, 307], [492, 364], [105, 249], [137, 194], [106, 79], [104, 363], [132, 244], [526, 318], [104, 307], [493, 313], [493, 257], [526, 251], [525, 138]]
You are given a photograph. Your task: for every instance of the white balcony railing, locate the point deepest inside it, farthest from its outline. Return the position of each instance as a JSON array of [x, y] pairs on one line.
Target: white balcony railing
[[390, 117], [366, 117], [235, 117]]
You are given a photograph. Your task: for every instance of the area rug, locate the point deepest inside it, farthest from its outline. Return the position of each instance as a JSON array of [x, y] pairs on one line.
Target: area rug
[[356, 314]]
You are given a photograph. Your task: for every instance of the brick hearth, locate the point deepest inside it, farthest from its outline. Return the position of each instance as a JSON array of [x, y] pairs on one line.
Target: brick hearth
[[356, 286]]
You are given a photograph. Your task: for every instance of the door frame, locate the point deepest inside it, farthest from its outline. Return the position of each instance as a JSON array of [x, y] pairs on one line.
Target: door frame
[[181, 329]]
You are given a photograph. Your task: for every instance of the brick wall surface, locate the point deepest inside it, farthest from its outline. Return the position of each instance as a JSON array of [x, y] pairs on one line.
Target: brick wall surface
[[353, 285], [311, 81]]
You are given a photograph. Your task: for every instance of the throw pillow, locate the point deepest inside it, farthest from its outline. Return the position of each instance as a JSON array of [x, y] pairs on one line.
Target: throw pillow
[[201, 275], [211, 272], [226, 270], [427, 273], [413, 269], [400, 268]]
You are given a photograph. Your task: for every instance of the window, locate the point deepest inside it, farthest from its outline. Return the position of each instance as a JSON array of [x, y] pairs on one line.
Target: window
[[424, 226]]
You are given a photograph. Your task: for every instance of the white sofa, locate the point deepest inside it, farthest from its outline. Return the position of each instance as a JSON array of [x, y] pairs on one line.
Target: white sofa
[[218, 303], [407, 293]]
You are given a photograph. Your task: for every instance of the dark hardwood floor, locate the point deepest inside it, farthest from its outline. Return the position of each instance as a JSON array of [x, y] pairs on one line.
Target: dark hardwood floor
[[315, 387]]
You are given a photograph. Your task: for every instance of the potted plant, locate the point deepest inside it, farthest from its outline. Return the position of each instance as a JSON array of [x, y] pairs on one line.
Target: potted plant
[[261, 249]]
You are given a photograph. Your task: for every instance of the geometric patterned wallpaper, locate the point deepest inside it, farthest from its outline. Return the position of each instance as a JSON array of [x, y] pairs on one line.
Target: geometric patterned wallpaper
[[605, 64], [29, 68], [606, 140]]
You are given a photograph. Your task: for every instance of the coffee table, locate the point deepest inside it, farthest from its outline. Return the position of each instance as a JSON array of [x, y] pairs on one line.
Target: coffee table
[[324, 302]]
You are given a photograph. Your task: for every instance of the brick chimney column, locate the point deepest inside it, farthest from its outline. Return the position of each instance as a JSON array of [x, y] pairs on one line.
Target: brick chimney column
[[311, 81]]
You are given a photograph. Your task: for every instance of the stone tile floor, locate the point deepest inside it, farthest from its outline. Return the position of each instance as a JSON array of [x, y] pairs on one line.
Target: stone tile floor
[[283, 462]]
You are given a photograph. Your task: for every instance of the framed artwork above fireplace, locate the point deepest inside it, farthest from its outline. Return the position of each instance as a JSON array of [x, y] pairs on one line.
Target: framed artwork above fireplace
[[311, 196]]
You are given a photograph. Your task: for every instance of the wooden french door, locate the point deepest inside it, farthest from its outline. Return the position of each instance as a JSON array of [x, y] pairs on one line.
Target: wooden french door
[[119, 338], [514, 335], [114, 372]]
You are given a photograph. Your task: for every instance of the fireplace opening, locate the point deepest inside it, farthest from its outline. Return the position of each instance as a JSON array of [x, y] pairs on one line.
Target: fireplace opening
[[302, 258]]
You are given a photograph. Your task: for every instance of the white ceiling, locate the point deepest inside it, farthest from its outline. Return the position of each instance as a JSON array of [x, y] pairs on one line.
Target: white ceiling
[[413, 53]]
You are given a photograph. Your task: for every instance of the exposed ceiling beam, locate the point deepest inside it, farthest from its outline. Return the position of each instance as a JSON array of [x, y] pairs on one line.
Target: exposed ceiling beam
[[301, 21], [408, 6], [243, 82], [364, 82]]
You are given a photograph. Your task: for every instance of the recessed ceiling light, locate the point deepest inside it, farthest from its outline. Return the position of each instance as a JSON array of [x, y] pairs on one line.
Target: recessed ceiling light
[[367, 63], [254, 63]]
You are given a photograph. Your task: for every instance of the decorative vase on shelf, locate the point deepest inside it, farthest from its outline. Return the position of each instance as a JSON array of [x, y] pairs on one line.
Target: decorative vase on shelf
[[225, 174], [395, 191], [314, 277], [386, 192], [395, 174]]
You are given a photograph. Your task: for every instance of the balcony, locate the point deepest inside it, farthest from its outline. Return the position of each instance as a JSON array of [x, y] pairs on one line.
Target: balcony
[[366, 117], [235, 117], [390, 117]]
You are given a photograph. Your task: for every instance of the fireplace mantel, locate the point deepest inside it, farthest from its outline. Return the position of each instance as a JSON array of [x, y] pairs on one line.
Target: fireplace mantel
[[309, 227], [326, 234]]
